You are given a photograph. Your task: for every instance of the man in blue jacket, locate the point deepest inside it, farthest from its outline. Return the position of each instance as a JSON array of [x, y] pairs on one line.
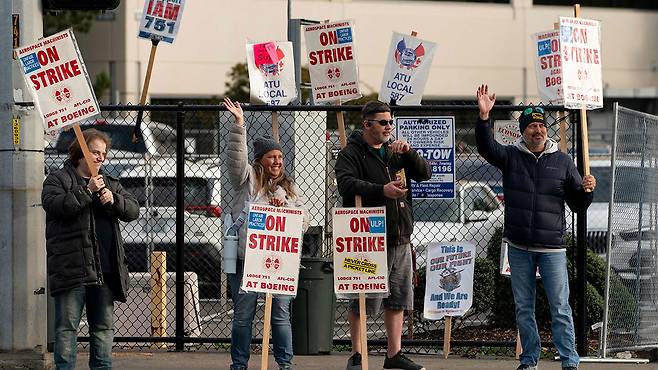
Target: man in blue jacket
[[537, 181]]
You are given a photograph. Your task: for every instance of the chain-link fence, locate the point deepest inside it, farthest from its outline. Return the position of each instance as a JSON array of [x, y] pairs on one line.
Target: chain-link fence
[[192, 235], [631, 320]]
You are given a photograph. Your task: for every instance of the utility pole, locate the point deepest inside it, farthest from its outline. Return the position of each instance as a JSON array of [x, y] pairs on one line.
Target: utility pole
[[22, 242]]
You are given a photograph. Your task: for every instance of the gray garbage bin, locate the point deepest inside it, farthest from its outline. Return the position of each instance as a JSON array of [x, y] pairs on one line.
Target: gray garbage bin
[[314, 309]]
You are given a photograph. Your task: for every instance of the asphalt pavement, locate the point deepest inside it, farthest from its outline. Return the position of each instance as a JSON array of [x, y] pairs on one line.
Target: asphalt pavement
[[144, 360]]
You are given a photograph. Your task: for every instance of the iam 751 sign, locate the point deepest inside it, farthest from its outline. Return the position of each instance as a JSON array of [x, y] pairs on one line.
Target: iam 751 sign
[[161, 19]]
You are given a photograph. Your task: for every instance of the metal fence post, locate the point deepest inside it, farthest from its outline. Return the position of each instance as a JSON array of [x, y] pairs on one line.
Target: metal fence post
[[581, 260], [180, 228]]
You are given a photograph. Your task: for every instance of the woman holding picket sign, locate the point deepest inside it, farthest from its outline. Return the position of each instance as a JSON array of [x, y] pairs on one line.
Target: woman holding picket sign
[[265, 182]]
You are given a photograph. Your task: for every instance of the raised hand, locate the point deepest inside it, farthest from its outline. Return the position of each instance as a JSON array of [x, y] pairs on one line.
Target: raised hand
[[485, 101], [236, 110]]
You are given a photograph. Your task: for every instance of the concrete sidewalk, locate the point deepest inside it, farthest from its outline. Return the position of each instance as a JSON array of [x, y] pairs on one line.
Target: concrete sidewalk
[[221, 360]]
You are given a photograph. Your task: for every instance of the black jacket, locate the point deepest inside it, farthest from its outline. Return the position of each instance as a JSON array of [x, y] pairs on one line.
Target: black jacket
[[535, 189], [72, 248], [360, 171]]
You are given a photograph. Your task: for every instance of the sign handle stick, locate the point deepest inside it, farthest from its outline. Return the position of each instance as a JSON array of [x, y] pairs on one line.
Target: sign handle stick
[[447, 333], [275, 126], [583, 120], [145, 89], [85, 150], [560, 116], [158, 297], [266, 331], [519, 348], [363, 318], [341, 128]]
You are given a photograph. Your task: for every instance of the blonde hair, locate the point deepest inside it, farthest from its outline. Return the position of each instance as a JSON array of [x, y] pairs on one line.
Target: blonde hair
[[267, 185]]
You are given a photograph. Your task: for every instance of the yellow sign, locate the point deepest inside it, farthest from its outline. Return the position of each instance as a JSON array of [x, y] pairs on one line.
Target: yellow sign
[[361, 266], [16, 130]]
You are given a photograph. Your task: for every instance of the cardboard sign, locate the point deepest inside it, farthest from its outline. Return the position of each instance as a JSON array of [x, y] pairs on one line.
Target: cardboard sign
[[506, 131], [274, 244], [161, 19], [57, 78], [408, 65], [271, 73], [332, 61], [360, 263], [449, 285], [580, 50], [433, 137], [548, 66]]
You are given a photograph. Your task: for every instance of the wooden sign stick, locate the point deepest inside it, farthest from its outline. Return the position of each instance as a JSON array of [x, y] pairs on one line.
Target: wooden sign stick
[[519, 348], [266, 331], [85, 150], [410, 313], [145, 88], [447, 333], [583, 120], [275, 126]]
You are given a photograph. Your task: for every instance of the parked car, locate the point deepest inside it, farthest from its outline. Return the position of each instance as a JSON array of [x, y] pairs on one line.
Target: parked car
[[634, 258], [154, 185], [158, 139], [473, 215]]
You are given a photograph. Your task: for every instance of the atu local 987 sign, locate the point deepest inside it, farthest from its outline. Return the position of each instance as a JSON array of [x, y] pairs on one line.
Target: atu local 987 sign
[[57, 78], [332, 61]]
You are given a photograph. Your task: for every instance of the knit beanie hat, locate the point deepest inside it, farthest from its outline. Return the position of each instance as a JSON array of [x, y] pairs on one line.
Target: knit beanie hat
[[531, 115], [263, 145]]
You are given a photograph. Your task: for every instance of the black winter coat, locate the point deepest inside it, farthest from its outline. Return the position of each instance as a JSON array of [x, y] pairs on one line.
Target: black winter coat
[[359, 171], [72, 248], [535, 189]]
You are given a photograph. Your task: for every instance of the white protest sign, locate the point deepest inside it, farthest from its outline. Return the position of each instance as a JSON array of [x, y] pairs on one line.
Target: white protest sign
[[580, 50], [274, 243], [506, 131], [449, 285], [57, 78], [271, 72], [504, 267], [408, 65], [161, 19], [433, 137], [548, 67], [360, 264], [332, 61]]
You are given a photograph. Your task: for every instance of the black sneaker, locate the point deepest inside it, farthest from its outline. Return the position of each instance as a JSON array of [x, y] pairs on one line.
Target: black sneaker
[[526, 367], [400, 361], [354, 362], [570, 368]]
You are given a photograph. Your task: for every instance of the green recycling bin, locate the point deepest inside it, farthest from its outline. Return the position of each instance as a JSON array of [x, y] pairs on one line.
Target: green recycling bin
[[314, 309]]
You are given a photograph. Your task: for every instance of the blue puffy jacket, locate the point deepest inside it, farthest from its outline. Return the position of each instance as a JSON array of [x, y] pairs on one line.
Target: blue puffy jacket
[[535, 189]]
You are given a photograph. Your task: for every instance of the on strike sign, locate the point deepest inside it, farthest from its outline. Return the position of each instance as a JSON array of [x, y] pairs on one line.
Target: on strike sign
[[360, 264], [408, 64], [161, 19], [332, 61], [449, 286], [271, 73], [58, 80], [580, 49], [548, 66], [271, 263]]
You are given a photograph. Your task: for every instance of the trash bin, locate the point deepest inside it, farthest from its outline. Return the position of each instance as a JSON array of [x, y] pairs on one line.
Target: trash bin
[[314, 309]]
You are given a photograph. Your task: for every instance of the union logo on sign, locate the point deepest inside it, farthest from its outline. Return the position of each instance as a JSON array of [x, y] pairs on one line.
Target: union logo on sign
[[272, 263], [333, 72], [407, 57], [63, 95]]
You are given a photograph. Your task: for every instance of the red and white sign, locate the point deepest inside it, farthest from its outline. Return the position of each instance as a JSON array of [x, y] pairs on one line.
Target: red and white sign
[[332, 61], [505, 269], [271, 72], [273, 249], [161, 19], [548, 67], [580, 51], [506, 131], [360, 263], [57, 78], [408, 65]]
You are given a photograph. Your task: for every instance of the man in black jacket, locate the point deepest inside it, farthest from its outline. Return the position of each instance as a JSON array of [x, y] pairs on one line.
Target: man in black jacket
[[368, 166], [537, 181], [86, 265]]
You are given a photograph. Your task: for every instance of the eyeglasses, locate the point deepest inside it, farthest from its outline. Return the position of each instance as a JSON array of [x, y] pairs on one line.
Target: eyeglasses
[[531, 109], [382, 122]]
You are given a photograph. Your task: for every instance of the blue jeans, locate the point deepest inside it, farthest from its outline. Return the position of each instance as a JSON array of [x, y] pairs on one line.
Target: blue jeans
[[100, 316], [244, 309], [553, 270]]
